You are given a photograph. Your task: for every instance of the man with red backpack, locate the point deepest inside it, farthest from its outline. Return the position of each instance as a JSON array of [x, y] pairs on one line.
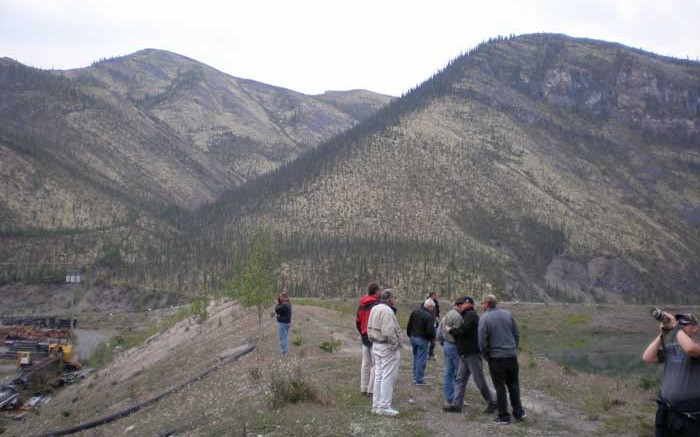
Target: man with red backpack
[[367, 368]]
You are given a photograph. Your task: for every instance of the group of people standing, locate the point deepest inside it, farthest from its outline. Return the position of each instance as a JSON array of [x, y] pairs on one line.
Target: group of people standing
[[465, 337]]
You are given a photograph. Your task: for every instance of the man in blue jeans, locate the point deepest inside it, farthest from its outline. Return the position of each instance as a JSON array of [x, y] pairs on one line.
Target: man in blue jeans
[[283, 310], [421, 331], [452, 320]]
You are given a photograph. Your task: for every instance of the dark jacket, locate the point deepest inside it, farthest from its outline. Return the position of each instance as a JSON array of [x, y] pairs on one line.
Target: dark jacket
[[421, 323], [436, 311], [499, 335], [467, 335], [284, 312]]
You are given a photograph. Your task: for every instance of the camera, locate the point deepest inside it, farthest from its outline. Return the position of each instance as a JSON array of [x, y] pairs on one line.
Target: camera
[[661, 315]]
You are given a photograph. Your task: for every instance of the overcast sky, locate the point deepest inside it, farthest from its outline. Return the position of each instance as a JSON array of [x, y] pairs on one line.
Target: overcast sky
[[312, 46]]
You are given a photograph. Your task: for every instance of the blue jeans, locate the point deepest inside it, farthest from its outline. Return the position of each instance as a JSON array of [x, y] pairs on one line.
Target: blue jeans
[[284, 335], [451, 366], [420, 357]]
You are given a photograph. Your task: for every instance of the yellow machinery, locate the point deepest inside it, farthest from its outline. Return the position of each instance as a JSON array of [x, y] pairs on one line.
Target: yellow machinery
[[64, 352]]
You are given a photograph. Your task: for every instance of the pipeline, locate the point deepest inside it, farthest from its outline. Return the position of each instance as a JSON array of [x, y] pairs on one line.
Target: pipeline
[[134, 408]]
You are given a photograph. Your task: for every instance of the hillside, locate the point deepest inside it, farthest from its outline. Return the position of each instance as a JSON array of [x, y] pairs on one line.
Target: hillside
[[246, 397], [551, 167], [114, 154], [245, 127]]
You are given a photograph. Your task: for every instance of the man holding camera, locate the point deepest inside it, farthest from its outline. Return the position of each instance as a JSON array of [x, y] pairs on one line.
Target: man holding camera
[[678, 413]]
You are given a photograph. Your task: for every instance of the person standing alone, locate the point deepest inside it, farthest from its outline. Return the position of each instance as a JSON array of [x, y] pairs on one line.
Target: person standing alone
[[498, 341], [367, 368], [283, 312], [385, 333], [421, 331], [678, 413]]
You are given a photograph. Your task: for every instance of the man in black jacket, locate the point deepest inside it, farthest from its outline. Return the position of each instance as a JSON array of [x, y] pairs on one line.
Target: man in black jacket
[[467, 341], [421, 331]]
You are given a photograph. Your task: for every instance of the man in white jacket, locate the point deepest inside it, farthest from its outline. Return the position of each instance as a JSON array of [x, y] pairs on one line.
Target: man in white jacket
[[385, 333]]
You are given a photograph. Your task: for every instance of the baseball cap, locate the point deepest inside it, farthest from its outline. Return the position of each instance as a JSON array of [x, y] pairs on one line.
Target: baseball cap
[[686, 319], [464, 299]]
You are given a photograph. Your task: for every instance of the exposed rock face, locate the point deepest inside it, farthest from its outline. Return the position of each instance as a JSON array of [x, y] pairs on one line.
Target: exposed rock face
[[600, 278]]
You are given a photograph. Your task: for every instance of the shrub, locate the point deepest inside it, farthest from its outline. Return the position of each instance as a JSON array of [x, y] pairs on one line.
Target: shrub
[[330, 346], [290, 386], [298, 340]]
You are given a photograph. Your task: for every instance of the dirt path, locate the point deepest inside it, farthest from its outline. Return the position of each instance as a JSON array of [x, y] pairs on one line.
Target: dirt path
[[547, 416]]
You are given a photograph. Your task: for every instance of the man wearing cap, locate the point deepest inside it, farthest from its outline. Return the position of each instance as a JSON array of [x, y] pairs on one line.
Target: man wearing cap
[[498, 340], [678, 412], [421, 331], [466, 336]]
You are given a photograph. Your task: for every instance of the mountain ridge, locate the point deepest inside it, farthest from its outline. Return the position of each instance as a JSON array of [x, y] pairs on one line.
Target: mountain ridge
[[544, 146], [551, 167]]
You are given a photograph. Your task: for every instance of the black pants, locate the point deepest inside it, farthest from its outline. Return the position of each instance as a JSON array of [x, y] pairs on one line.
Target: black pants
[[504, 374], [673, 424]]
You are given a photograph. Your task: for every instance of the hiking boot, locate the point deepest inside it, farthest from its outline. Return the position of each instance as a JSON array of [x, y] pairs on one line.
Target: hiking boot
[[521, 417], [490, 409], [451, 408], [502, 421]]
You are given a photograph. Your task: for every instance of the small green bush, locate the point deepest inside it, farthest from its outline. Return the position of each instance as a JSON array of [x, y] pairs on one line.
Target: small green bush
[[330, 346], [290, 386], [298, 340]]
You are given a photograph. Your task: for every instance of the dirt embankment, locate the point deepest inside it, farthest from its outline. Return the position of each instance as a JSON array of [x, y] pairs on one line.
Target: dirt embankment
[[235, 400]]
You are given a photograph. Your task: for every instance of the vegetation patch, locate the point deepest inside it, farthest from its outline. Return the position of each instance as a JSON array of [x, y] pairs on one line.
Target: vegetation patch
[[289, 385]]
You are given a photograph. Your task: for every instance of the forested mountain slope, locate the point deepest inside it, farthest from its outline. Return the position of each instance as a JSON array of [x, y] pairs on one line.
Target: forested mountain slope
[[111, 155], [551, 167]]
